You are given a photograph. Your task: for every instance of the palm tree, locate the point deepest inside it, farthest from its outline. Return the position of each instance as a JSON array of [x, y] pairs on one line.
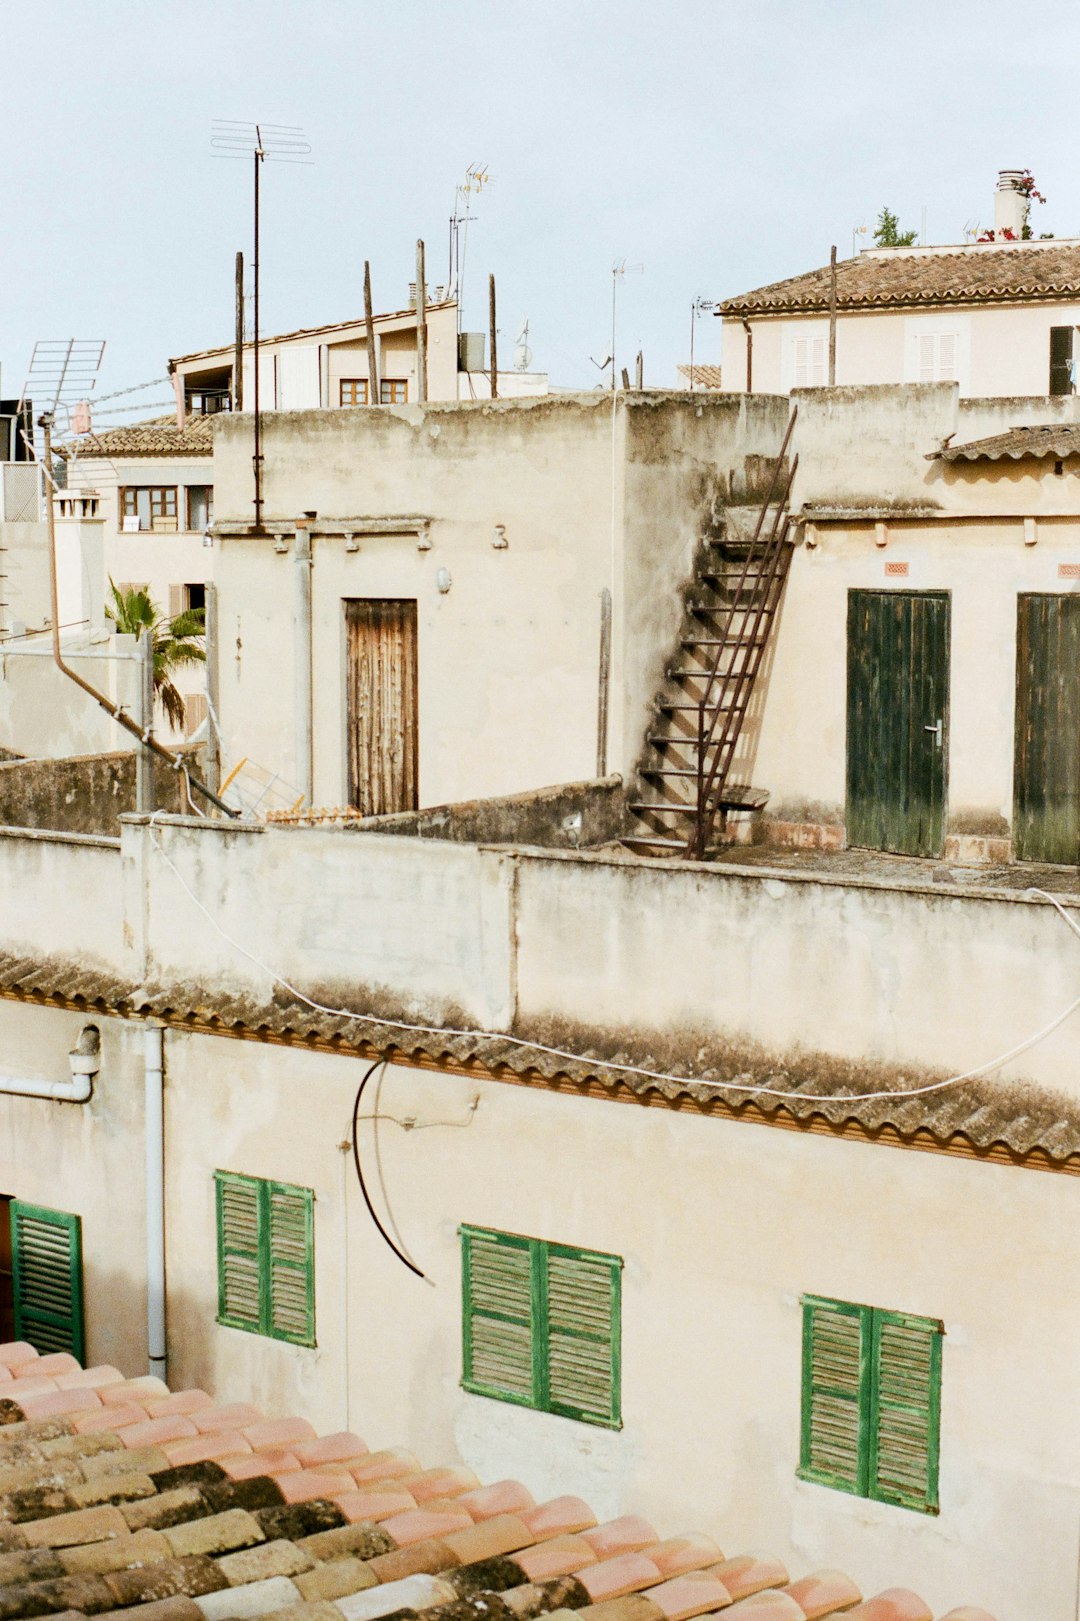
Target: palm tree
[[177, 641]]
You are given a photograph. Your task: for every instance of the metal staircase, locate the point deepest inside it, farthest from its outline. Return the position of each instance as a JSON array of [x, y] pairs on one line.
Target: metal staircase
[[731, 607]]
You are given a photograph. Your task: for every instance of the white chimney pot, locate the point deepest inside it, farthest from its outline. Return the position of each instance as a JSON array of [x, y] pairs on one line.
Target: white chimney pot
[[1010, 205]]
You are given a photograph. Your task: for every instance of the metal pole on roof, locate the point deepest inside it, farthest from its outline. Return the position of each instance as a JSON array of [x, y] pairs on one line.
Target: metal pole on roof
[[238, 346], [255, 352], [144, 760], [494, 357]]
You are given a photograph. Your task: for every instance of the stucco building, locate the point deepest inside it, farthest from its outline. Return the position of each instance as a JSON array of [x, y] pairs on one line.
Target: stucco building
[[999, 317]]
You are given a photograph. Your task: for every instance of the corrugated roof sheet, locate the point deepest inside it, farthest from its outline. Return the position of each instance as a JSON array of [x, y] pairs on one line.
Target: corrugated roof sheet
[[1021, 1117], [974, 275], [159, 437], [118, 1493], [1056, 439]]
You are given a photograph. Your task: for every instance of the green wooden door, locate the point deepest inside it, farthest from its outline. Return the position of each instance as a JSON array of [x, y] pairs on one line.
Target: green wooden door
[[1046, 778], [897, 720]]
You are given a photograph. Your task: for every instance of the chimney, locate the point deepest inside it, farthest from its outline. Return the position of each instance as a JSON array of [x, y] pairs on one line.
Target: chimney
[[1010, 206]]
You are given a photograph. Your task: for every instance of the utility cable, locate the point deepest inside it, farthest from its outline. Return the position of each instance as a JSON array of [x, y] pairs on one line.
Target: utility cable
[[402, 1257], [613, 1065]]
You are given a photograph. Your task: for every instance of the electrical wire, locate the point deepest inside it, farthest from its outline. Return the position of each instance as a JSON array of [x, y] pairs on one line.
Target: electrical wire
[[613, 1065], [402, 1257]]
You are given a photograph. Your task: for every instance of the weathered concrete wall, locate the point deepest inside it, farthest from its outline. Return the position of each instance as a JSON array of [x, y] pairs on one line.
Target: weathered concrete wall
[[509, 655], [570, 817], [62, 897], [702, 957], [81, 794], [43, 715]]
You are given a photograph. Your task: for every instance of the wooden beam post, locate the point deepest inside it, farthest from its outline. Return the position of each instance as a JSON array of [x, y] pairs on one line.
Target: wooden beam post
[[421, 325], [832, 317], [369, 327]]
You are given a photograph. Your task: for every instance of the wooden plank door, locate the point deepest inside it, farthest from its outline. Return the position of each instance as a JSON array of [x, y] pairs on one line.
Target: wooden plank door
[[1046, 775], [897, 720], [381, 704]]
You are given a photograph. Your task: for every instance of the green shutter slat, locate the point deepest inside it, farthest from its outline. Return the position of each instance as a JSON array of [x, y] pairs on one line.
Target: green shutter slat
[[289, 1294], [238, 1221], [498, 1314], [906, 1397], [47, 1266], [836, 1361], [582, 1298]]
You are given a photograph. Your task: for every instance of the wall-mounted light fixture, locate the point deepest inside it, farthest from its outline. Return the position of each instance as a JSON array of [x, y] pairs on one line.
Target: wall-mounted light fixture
[[498, 539], [442, 580]]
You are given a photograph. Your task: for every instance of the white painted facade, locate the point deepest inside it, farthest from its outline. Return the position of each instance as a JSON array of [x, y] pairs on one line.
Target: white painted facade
[[712, 1274]]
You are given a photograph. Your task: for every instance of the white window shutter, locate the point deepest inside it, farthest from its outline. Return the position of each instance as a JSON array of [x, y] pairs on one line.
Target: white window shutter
[[176, 600], [800, 371], [926, 359], [946, 366], [818, 372]]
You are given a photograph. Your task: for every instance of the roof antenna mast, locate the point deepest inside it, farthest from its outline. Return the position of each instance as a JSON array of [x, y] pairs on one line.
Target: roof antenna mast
[[280, 143]]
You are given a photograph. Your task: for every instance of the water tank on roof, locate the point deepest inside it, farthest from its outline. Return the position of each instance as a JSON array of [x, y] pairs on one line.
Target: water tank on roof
[[471, 351]]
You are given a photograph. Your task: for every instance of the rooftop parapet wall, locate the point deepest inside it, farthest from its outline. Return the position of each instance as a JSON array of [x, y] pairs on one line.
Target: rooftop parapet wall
[[62, 897], [705, 960], [870, 450]]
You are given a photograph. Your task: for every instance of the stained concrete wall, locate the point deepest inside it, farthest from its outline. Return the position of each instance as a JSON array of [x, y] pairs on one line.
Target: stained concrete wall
[[569, 817], [79, 794], [590, 493], [62, 897]]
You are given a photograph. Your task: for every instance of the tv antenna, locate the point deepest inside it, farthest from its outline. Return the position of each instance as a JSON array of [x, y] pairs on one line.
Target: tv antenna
[[619, 271], [278, 143], [523, 355], [477, 179], [62, 372]]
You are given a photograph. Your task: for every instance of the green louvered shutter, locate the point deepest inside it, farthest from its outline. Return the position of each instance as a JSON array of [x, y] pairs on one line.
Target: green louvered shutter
[[47, 1264], [582, 1301], [499, 1277], [905, 1410], [238, 1233], [289, 1269], [835, 1393]]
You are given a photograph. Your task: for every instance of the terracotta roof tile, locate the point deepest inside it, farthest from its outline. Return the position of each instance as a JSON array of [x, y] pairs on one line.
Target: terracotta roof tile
[[158, 437], [117, 1526], [702, 376], [991, 274]]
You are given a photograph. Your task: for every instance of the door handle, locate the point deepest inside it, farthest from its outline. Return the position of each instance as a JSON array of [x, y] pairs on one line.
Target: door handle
[[936, 729]]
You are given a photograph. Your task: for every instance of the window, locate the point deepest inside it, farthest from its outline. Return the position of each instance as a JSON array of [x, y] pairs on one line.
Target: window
[[1063, 360], [147, 506], [46, 1262], [266, 1257], [810, 362], [393, 391], [354, 391], [541, 1325], [936, 358], [200, 506], [871, 1401]]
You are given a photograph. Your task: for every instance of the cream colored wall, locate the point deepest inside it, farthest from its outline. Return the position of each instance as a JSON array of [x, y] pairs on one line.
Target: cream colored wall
[[509, 656], [1005, 349], [87, 1159], [711, 1324]]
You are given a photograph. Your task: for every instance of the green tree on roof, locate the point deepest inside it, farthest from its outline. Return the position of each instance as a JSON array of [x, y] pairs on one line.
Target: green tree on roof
[[887, 232], [177, 641]]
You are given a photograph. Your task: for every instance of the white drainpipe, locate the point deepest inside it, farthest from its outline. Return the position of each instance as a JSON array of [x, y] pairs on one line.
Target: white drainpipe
[[155, 1198], [84, 1061]]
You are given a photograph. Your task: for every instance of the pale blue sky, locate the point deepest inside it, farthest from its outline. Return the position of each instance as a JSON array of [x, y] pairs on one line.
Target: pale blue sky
[[720, 143]]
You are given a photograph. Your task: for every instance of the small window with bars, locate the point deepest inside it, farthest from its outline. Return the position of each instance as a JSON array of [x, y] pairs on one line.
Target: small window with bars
[[541, 1325], [354, 391], [871, 1402], [266, 1257]]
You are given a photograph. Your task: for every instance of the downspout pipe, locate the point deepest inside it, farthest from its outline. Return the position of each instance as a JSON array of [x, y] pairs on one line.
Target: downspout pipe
[[115, 710], [154, 1093]]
